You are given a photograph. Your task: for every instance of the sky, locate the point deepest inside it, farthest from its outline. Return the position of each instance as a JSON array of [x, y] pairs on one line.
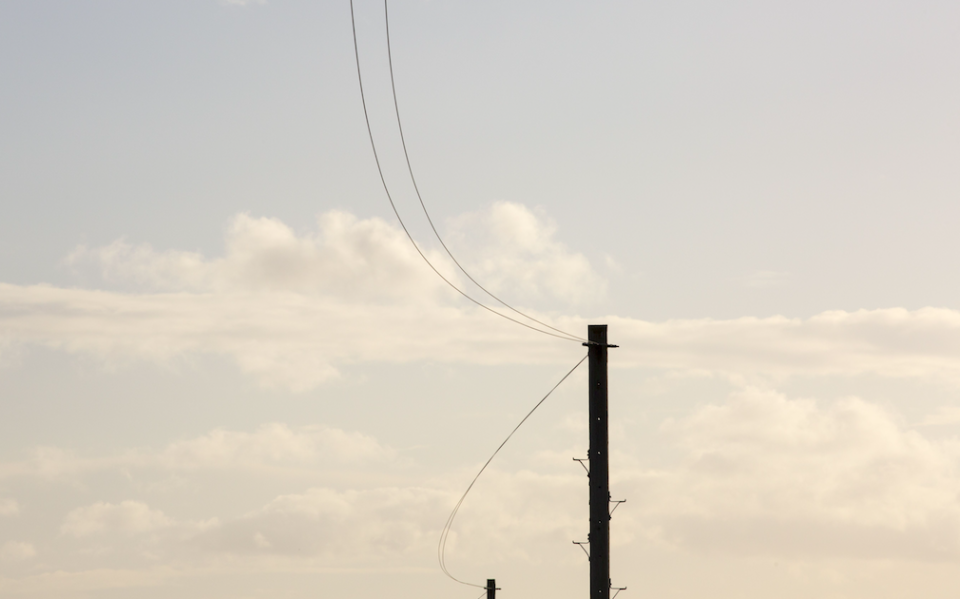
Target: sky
[[225, 372]]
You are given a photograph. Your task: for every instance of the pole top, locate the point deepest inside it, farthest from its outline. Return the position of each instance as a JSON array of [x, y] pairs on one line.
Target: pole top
[[597, 336]]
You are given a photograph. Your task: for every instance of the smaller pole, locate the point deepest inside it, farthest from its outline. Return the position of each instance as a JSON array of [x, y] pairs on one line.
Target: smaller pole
[[491, 588]]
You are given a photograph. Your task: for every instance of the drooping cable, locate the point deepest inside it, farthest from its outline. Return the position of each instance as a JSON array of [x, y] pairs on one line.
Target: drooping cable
[[445, 533], [413, 179], [396, 212]]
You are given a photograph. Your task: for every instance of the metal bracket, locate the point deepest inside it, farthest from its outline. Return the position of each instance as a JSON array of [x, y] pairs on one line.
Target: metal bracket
[[582, 460], [581, 544], [617, 589], [616, 504]]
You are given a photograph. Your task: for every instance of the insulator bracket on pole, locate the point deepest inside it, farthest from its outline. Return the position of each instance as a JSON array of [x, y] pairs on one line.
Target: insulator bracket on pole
[[581, 544], [582, 460]]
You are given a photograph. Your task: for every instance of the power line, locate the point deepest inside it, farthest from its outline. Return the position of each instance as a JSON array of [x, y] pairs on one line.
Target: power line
[[413, 179], [386, 189], [445, 533], [441, 547]]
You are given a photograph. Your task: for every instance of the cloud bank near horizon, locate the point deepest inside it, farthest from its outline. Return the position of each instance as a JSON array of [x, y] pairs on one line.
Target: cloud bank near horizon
[[293, 310], [759, 474]]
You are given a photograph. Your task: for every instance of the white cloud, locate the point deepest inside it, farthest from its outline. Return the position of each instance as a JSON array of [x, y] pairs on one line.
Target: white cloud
[[889, 342], [47, 463], [350, 526], [355, 291], [292, 310], [348, 258], [130, 517], [272, 445], [945, 415], [766, 475], [284, 339], [512, 251], [298, 341], [518, 256], [761, 475], [508, 516], [17, 551], [9, 507]]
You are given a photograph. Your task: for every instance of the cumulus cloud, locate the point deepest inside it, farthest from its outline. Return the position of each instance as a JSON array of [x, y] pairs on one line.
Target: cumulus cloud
[[272, 445], [513, 516], [944, 416], [298, 342], [519, 254], [347, 258], [351, 526], [342, 527], [17, 551], [510, 513], [368, 260], [130, 517], [890, 342], [291, 310], [768, 475], [287, 340], [759, 475]]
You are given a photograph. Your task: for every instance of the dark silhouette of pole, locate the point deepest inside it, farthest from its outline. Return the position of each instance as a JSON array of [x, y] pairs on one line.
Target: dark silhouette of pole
[[491, 588], [599, 464]]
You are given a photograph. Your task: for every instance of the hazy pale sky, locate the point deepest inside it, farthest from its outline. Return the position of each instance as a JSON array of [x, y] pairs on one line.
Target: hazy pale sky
[[225, 373]]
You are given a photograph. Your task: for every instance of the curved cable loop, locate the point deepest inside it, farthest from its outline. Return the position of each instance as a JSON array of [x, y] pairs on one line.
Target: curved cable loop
[[413, 179], [386, 189], [445, 533]]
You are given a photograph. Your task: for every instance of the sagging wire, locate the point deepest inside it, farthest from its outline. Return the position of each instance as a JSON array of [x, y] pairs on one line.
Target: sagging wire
[[396, 212], [416, 188], [445, 533]]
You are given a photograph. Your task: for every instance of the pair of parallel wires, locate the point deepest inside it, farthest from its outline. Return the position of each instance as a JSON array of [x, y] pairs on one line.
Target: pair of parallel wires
[[538, 326], [553, 331]]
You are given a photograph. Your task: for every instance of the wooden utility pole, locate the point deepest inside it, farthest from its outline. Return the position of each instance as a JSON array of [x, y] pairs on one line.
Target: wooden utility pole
[[599, 473], [491, 588]]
